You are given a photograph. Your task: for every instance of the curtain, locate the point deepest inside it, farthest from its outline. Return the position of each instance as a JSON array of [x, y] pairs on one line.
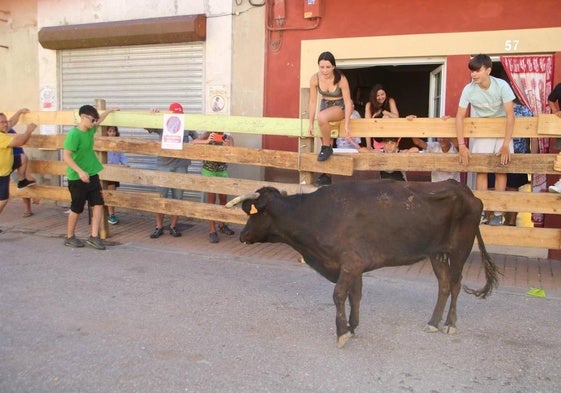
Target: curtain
[[531, 78]]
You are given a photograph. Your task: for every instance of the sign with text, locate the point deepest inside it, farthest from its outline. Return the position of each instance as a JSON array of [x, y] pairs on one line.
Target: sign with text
[[172, 135]]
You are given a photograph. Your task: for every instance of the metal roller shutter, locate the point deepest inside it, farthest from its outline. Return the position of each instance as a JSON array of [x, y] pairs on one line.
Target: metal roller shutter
[[132, 78]]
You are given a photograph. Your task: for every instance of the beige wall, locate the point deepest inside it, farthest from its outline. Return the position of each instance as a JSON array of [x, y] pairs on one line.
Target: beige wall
[[355, 50], [18, 62]]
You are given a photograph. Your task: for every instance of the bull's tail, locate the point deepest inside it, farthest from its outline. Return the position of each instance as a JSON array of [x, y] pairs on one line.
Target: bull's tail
[[491, 271]]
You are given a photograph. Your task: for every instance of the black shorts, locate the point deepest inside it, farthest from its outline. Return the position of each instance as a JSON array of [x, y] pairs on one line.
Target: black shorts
[[81, 192], [4, 187]]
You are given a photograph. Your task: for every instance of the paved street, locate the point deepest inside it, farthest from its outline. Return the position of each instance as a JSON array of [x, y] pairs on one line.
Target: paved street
[[177, 315]]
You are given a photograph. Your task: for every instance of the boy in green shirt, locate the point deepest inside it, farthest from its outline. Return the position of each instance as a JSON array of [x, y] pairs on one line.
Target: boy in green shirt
[[82, 174]]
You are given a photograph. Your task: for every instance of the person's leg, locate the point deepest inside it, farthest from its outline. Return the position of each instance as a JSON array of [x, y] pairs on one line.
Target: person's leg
[[25, 165], [223, 227], [4, 191], [211, 198], [97, 215], [78, 193], [481, 182], [71, 226], [111, 209], [27, 207], [177, 194], [3, 204], [159, 231], [333, 113]]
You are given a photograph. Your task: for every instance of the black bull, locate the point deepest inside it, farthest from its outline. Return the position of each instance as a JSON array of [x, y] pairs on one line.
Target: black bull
[[349, 228]]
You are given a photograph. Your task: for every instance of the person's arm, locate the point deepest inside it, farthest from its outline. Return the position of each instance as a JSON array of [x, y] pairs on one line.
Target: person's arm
[[345, 89], [12, 121], [21, 139], [555, 108], [105, 114], [504, 151], [462, 148], [202, 139], [393, 113], [421, 144], [368, 115], [312, 103], [68, 160], [228, 140]]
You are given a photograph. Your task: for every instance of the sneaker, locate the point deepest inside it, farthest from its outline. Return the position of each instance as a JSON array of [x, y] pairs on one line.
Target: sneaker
[[25, 183], [226, 230], [95, 242], [496, 220], [73, 242], [556, 187], [174, 232], [112, 219], [213, 237], [323, 180], [483, 219], [157, 233], [325, 153]]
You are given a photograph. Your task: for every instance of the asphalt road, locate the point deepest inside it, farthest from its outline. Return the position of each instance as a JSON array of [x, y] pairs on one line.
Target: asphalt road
[[138, 318]]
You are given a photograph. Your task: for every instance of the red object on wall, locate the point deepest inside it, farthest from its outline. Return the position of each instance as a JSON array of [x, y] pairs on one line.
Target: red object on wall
[[312, 9]]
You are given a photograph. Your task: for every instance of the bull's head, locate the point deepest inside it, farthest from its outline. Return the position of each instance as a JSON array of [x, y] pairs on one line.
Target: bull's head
[[255, 205]]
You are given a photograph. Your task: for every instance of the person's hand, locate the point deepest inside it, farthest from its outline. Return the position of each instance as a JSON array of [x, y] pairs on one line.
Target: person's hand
[[504, 153], [558, 113], [84, 176], [311, 130], [464, 155], [23, 110], [410, 117], [154, 110], [347, 132]]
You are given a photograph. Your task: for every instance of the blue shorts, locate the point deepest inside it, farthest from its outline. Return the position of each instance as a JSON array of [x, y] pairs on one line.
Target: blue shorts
[[4, 187]]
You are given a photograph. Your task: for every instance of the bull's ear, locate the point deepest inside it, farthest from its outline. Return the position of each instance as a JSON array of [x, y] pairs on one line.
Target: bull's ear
[[253, 209]]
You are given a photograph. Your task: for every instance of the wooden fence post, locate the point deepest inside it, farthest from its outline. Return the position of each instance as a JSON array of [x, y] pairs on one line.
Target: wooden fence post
[[100, 105]]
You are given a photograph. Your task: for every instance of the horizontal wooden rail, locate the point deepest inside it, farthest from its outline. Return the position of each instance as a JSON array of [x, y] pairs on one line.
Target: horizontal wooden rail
[[539, 126]]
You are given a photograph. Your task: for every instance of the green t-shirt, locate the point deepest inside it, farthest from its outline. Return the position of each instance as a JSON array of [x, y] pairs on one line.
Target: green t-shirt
[[80, 143]]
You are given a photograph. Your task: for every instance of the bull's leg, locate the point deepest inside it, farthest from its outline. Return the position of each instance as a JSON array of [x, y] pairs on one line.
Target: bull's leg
[[442, 271], [457, 261], [355, 295], [340, 294]]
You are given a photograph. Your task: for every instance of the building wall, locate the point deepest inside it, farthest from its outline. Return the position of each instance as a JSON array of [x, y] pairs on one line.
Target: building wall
[[360, 28], [18, 55], [26, 68]]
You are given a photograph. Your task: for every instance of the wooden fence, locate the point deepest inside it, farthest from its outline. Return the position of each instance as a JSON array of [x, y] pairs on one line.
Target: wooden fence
[[305, 162]]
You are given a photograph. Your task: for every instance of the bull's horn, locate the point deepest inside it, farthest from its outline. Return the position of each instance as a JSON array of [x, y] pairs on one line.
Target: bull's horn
[[241, 198]]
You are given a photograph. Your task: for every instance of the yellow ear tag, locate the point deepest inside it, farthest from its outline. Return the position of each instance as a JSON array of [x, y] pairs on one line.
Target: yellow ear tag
[[253, 209]]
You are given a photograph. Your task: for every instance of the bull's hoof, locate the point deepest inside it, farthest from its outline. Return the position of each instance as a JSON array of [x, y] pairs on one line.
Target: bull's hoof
[[342, 340], [431, 329], [447, 329]]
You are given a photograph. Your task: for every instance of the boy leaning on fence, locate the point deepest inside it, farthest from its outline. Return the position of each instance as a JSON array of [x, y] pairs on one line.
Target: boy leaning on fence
[[487, 96], [82, 173]]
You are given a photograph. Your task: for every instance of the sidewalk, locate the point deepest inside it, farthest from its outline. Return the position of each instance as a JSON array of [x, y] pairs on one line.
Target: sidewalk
[[521, 272]]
